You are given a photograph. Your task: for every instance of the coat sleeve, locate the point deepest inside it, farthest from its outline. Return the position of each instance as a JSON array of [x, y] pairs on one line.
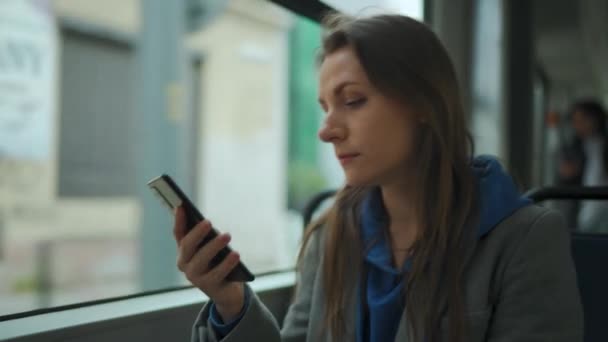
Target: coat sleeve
[[258, 323]]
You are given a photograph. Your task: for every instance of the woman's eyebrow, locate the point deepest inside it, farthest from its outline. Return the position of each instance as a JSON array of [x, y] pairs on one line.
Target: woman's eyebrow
[[340, 87]]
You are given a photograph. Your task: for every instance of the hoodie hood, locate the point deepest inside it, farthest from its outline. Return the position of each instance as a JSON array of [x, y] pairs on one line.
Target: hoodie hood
[[498, 199]]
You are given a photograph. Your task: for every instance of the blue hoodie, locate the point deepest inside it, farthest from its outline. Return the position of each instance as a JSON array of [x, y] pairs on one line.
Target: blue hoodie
[[499, 198]]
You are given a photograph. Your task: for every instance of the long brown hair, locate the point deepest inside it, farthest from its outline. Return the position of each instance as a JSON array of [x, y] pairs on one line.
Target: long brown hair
[[403, 58]]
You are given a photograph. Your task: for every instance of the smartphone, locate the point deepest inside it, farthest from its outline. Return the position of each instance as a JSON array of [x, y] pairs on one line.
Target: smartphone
[[172, 197]]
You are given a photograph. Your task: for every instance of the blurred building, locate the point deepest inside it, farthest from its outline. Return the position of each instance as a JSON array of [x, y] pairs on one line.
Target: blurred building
[[70, 197]]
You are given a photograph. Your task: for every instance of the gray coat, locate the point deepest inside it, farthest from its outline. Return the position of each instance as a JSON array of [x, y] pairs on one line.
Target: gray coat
[[520, 286]]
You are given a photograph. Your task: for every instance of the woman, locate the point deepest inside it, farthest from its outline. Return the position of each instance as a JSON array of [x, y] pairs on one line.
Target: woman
[[424, 243]]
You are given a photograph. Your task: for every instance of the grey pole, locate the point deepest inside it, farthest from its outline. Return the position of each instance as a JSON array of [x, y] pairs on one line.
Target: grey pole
[[161, 111]]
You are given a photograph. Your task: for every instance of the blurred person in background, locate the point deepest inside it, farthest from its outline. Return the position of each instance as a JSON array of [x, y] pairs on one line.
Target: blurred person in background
[[584, 162]]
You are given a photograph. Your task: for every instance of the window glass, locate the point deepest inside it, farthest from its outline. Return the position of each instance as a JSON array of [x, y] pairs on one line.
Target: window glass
[[98, 97]]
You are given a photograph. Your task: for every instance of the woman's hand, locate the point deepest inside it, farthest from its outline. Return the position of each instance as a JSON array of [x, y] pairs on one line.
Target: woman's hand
[[194, 262]]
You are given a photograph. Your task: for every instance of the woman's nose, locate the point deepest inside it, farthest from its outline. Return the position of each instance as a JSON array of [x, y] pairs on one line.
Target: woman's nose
[[331, 133]]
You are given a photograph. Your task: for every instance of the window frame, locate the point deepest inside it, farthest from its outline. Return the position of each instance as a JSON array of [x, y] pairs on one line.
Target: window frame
[[119, 317]]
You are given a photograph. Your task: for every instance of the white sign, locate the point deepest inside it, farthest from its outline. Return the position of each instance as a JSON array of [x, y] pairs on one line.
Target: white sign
[[28, 78]]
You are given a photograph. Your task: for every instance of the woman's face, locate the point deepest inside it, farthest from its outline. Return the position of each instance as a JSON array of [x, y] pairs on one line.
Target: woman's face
[[583, 124], [373, 135]]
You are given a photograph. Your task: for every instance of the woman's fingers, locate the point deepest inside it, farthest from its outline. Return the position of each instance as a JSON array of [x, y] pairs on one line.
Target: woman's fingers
[[189, 244], [200, 262], [179, 226], [219, 273]]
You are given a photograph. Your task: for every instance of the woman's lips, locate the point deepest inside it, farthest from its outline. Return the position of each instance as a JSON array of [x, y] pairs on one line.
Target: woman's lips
[[347, 158]]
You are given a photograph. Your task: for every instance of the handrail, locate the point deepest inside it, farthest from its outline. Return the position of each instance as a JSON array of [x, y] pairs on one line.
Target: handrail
[[536, 195], [568, 192]]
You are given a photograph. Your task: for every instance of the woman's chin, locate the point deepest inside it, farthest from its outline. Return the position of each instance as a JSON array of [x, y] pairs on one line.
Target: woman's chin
[[352, 180]]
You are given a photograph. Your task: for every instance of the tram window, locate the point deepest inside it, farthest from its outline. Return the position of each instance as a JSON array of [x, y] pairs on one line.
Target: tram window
[[77, 144]]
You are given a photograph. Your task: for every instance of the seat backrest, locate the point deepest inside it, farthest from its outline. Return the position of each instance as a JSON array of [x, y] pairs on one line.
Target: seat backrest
[[590, 254]]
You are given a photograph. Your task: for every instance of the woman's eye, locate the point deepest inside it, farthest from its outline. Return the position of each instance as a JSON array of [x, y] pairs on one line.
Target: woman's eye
[[355, 103]]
